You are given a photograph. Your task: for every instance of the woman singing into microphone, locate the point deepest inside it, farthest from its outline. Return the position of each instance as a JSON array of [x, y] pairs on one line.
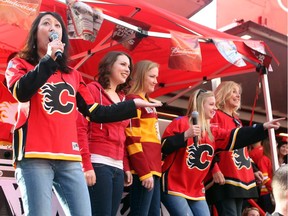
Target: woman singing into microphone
[[50, 94]]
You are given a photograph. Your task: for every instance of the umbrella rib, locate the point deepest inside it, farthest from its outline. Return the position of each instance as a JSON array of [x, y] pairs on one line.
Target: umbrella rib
[[249, 60], [83, 60], [178, 95], [102, 44], [195, 80], [127, 25], [183, 82], [136, 28]]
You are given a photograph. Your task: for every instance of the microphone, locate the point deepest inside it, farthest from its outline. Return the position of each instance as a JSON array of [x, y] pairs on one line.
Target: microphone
[[194, 118], [53, 36]]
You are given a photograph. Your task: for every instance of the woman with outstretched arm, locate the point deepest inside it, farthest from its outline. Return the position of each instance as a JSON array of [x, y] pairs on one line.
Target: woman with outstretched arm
[[187, 160]]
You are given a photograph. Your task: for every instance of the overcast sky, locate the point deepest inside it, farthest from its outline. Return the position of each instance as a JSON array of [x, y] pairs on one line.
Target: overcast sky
[[202, 18]]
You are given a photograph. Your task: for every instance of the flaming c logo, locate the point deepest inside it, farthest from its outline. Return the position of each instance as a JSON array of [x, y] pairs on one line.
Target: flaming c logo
[[240, 160], [55, 99], [195, 156]]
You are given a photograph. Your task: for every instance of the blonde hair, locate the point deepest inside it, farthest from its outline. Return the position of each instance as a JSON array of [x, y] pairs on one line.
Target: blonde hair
[[223, 92], [196, 103], [138, 75]]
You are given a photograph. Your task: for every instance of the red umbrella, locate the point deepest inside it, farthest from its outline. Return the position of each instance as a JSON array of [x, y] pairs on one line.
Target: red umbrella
[[85, 55], [158, 48]]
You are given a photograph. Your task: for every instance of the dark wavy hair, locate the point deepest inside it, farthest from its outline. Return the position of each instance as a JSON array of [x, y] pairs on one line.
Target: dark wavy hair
[[29, 52], [104, 71]]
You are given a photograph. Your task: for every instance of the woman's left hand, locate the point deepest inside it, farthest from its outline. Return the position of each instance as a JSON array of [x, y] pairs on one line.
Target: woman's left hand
[[128, 180], [90, 177], [273, 124], [55, 46], [142, 103]]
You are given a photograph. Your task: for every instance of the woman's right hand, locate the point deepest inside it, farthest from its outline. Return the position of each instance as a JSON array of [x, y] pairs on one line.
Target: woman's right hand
[[194, 130], [148, 183], [219, 178]]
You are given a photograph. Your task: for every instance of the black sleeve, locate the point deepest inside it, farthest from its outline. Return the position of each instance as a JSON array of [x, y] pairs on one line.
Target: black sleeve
[[29, 84], [241, 137], [104, 114], [254, 166], [115, 112], [216, 159], [173, 143]]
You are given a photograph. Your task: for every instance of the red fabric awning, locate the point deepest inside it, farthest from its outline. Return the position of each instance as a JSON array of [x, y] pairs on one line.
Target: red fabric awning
[[153, 48]]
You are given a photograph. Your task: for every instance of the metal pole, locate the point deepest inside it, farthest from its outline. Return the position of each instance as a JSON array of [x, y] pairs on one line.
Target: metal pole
[[269, 117], [215, 82]]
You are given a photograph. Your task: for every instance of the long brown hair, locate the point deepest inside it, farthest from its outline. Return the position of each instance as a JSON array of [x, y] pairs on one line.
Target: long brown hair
[[30, 50], [104, 71]]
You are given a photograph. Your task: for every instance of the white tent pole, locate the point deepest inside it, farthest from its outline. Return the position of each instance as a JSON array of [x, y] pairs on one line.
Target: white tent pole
[[269, 117], [136, 28], [268, 109], [215, 82], [147, 33]]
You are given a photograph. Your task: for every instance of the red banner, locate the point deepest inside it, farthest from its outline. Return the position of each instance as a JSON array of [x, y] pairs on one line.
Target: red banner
[[126, 36], [185, 52], [257, 48], [19, 12]]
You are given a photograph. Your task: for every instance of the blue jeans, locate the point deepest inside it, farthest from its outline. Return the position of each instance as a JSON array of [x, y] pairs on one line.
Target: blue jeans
[[179, 206], [230, 206], [106, 194], [142, 201], [36, 177]]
